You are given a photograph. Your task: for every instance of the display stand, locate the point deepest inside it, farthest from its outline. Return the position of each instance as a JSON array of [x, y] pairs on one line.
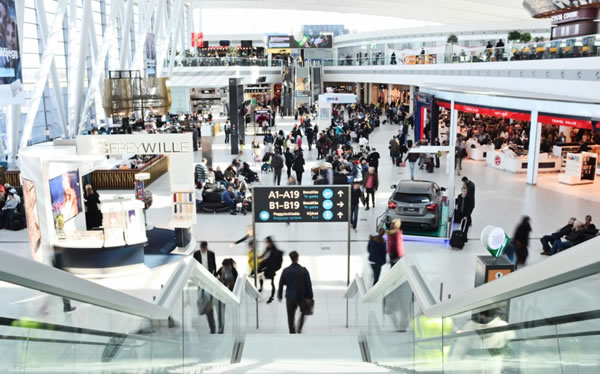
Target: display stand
[[580, 168], [489, 268]]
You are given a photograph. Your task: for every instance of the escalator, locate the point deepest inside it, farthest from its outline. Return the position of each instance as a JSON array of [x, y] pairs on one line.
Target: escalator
[[541, 319]]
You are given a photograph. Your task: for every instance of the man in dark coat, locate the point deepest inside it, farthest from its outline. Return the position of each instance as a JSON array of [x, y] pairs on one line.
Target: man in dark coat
[[206, 258], [470, 188], [277, 164], [464, 208], [298, 285]]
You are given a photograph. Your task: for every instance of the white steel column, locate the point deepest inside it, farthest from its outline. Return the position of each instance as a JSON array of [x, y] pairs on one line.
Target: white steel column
[[93, 42], [389, 94], [57, 98], [125, 62], [173, 34], [13, 122], [138, 59], [533, 156], [162, 36], [98, 67], [42, 77], [450, 166], [77, 67]]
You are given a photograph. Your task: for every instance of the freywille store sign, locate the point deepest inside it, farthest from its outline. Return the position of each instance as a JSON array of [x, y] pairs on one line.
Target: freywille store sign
[[134, 144], [145, 148]]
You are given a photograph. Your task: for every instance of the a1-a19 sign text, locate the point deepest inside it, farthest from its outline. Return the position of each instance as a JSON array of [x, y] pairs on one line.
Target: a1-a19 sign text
[[301, 204]]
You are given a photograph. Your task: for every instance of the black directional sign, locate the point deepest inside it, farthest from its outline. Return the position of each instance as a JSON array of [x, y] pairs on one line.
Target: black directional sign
[[301, 204]]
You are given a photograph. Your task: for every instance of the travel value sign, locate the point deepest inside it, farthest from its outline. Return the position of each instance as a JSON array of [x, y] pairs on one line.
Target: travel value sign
[[301, 204]]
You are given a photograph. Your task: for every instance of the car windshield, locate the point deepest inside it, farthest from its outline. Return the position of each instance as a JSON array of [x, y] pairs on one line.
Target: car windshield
[[411, 198]]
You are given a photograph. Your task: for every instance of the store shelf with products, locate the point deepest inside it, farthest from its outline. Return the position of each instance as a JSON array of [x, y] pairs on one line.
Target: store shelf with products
[[580, 169], [562, 150]]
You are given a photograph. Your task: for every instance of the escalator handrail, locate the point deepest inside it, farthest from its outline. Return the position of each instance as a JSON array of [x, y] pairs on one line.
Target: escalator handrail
[[404, 271], [33, 275], [189, 269], [542, 322], [575, 263]]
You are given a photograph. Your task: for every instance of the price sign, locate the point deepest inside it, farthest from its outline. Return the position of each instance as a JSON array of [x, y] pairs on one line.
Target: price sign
[[301, 204]]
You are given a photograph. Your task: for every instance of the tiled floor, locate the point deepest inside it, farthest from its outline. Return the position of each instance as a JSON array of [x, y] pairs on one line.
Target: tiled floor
[[501, 200]]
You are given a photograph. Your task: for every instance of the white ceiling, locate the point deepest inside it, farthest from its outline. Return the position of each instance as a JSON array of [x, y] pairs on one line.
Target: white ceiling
[[442, 11]]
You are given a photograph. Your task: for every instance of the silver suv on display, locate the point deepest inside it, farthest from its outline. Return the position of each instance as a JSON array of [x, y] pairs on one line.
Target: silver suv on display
[[416, 203]]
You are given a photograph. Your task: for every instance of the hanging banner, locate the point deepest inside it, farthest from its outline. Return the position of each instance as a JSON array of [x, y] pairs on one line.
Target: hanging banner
[[150, 55], [197, 40], [443, 104], [11, 76], [552, 119], [305, 41]]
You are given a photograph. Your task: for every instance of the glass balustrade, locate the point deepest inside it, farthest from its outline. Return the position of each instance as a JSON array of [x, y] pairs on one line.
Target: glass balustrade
[[40, 332], [554, 330]]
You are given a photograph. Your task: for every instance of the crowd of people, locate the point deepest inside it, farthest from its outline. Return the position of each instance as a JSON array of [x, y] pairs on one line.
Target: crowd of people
[[513, 135]]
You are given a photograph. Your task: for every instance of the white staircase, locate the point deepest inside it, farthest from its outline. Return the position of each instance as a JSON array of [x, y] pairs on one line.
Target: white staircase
[[272, 354]]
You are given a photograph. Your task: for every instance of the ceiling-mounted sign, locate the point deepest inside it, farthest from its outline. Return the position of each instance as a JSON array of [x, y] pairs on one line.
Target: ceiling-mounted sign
[[543, 8], [301, 204], [574, 15], [305, 41], [494, 112], [553, 119]]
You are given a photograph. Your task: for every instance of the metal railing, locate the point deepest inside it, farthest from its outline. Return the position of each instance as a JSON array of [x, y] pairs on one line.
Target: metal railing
[[565, 48], [224, 61]]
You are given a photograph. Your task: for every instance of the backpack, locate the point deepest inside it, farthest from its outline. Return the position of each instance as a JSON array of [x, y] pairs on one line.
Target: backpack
[[277, 259]]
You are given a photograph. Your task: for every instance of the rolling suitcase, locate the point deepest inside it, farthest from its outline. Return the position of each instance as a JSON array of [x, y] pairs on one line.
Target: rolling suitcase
[[459, 237]]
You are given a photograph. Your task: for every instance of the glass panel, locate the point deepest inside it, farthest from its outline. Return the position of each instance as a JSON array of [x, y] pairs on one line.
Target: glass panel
[[389, 329], [41, 332], [578, 296]]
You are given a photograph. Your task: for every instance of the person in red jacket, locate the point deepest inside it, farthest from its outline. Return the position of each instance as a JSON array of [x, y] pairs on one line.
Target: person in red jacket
[[395, 241]]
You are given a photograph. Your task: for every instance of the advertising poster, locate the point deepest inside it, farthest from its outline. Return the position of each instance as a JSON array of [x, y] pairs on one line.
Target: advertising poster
[[302, 87], [11, 76], [65, 195], [305, 41], [150, 55], [33, 223]]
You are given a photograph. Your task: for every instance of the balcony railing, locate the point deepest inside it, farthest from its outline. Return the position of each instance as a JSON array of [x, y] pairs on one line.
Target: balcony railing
[[566, 48], [223, 61]]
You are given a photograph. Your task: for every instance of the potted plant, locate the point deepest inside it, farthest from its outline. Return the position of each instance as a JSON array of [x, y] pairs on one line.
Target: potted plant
[[514, 36], [452, 39], [525, 37]]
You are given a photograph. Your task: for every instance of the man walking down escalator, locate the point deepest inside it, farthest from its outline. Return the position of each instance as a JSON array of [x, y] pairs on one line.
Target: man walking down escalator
[[298, 293]]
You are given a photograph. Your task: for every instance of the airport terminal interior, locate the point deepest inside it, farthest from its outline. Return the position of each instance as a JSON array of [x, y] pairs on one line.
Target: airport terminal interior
[[196, 186]]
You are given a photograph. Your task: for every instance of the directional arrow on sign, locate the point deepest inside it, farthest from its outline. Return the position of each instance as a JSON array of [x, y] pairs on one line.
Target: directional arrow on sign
[[340, 204], [340, 215], [340, 193]]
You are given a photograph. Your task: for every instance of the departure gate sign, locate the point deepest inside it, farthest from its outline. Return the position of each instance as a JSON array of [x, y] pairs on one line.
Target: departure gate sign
[[301, 204]]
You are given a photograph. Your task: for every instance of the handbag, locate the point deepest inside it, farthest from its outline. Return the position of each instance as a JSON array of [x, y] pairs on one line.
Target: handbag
[[307, 305], [204, 302]]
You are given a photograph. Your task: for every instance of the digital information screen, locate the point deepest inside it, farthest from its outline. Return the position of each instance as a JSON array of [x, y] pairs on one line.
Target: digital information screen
[[301, 204]]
